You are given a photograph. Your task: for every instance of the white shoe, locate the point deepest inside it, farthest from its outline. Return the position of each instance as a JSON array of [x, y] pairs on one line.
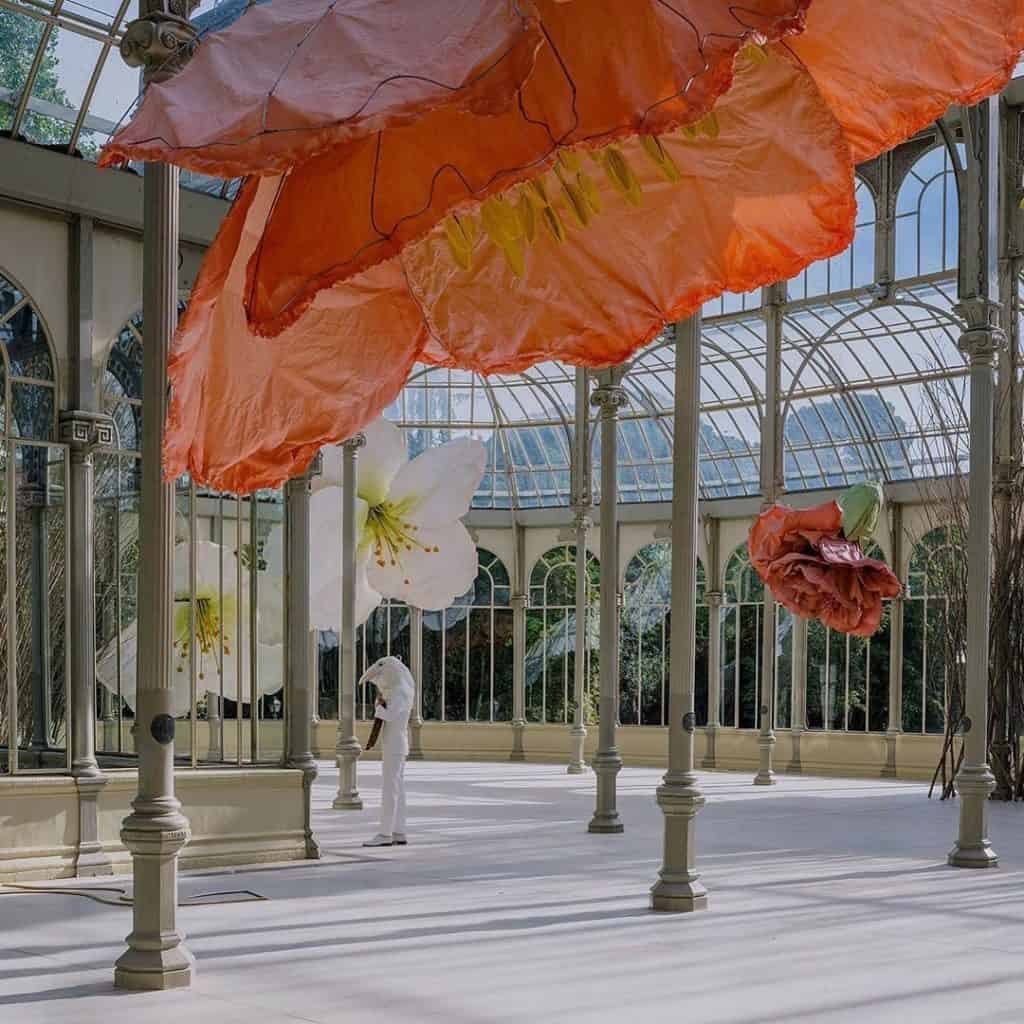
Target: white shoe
[[399, 839], [379, 840]]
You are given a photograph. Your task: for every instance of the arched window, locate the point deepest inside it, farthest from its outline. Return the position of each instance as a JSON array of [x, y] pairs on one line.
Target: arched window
[[852, 268], [848, 676], [551, 637], [742, 623], [33, 536], [936, 561], [645, 639], [927, 216], [122, 385], [467, 651], [117, 489]]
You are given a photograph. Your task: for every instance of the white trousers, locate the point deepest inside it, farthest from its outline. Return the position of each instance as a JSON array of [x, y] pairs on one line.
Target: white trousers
[[392, 804]]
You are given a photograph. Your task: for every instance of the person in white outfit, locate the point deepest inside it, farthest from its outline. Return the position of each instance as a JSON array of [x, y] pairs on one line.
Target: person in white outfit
[[396, 694]]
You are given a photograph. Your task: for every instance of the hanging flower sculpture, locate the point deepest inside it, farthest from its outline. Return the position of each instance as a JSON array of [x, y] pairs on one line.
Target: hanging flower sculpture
[[215, 637], [514, 181], [812, 561], [411, 544]]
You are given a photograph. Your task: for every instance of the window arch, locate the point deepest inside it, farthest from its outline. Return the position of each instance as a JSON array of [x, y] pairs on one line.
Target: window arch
[[742, 625], [645, 639], [850, 269], [848, 676], [30, 391], [928, 216], [934, 565], [33, 535], [551, 636], [467, 650]]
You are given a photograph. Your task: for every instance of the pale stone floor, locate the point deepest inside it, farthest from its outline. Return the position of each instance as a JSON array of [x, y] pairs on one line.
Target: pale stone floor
[[830, 901]]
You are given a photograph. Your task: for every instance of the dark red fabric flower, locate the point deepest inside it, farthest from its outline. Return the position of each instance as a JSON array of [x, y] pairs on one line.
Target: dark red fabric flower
[[811, 569]]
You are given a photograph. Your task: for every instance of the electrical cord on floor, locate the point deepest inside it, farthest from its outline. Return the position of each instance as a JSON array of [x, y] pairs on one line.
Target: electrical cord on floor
[[111, 897]]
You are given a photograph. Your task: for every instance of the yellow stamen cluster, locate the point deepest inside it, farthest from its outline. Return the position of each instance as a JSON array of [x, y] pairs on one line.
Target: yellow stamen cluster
[[209, 636], [391, 533], [512, 221]]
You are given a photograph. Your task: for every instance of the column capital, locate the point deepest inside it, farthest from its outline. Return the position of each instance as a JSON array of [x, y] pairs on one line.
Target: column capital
[[714, 598], [161, 40], [581, 520], [519, 601], [354, 443], [83, 431], [609, 398], [982, 344]]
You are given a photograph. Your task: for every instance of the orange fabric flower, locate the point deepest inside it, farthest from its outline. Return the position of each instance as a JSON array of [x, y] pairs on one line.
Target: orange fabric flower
[[802, 557], [556, 181]]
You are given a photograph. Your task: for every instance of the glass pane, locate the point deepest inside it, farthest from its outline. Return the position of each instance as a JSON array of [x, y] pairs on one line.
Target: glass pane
[[480, 665], [455, 664], [935, 680], [749, 664], [33, 411], [730, 665], [878, 674], [5, 716], [433, 648], [913, 666], [503, 665], [535, 662], [817, 661], [27, 348], [783, 668], [19, 36]]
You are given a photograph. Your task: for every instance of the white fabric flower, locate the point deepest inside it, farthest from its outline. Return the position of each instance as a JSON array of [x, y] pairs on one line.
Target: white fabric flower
[[215, 636], [411, 545]]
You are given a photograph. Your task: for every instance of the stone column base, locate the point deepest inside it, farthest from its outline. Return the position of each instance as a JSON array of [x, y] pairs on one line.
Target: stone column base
[[889, 768], [679, 889], [518, 750], [795, 766], [578, 738], [348, 798], [973, 849], [766, 775], [711, 732], [606, 821], [90, 861]]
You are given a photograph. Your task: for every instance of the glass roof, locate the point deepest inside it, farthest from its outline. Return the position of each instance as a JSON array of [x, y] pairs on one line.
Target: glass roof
[[62, 80], [869, 388]]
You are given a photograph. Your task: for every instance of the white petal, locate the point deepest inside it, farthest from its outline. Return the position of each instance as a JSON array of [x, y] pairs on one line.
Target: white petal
[[325, 558], [331, 462], [427, 578], [441, 482], [367, 599], [379, 460]]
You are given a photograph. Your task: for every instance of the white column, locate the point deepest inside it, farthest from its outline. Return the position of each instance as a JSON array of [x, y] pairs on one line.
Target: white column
[[607, 764], [713, 598], [581, 486], [578, 732], [895, 724], [300, 686], [771, 485], [156, 830], [416, 668], [981, 343], [798, 718], [519, 601], [679, 888], [82, 431], [348, 747]]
